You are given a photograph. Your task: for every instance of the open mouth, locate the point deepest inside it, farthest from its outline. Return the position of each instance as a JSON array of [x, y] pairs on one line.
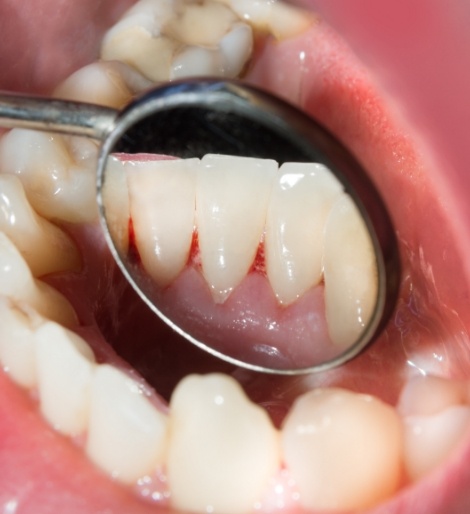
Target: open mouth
[[114, 420]]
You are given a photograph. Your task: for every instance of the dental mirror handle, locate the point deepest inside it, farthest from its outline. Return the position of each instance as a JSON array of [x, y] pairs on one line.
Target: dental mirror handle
[[50, 115]]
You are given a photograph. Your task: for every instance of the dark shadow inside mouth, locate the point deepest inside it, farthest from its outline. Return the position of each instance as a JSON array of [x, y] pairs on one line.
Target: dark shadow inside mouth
[[152, 348]]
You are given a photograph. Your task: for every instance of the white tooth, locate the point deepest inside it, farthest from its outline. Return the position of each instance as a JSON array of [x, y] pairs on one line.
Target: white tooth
[[56, 186], [231, 199], [162, 200], [427, 395], [344, 450], [350, 273], [236, 47], [202, 24], [126, 433], [430, 440], [65, 365], [194, 61], [17, 346], [17, 282], [223, 449], [300, 202], [45, 247], [116, 203]]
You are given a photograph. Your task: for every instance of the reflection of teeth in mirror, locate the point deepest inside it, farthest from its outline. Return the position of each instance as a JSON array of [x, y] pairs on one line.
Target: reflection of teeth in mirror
[[231, 200], [162, 203], [430, 439], [56, 186], [17, 346], [126, 433], [196, 39], [65, 364], [113, 84], [45, 247], [223, 449], [17, 283], [299, 205], [343, 449], [350, 273]]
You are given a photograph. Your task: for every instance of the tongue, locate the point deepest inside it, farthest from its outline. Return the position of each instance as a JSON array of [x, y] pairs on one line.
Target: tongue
[[58, 474]]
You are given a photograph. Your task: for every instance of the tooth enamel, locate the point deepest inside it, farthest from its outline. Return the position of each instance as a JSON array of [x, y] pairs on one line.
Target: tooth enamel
[[343, 449], [17, 345], [231, 200], [222, 450], [195, 61], [126, 433], [44, 246], [17, 282], [300, 202], [162, 200], [116, 203], [56, 186], [65, 364], [350, 273], [430, 440], [236, 47]]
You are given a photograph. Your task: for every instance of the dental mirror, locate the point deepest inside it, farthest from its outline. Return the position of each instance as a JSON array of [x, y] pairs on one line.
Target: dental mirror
[[238, 219]]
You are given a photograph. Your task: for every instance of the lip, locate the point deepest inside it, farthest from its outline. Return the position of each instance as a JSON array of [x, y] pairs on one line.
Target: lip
[[454, 479]]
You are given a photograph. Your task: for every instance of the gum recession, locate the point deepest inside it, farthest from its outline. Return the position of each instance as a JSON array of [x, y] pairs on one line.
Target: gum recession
[[58, 475]]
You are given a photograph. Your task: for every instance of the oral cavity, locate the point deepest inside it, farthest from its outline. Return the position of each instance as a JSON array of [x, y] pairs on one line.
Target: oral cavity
[[122, 425]]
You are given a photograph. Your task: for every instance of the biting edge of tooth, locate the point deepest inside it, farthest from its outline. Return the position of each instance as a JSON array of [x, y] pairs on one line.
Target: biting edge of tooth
[[436, 418], [343, 449], [237, 449], [126, 433], [231, 201], [350, 273], [293, 250], [162, 202], [65, 364], [17, 282], [56, 186], [45, 247]]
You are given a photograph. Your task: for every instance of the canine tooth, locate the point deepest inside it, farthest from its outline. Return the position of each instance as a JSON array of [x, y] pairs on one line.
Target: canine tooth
[[17, 346], [116, 203], [162, 202], [236, 47], [223, 449], [65, 365], [300, 202], [350, 273], [429, 440], [55, 185], [126, 433], [231, 199], [195, 61], [45, 247], [344, 450], [428, 395], [17, 282]]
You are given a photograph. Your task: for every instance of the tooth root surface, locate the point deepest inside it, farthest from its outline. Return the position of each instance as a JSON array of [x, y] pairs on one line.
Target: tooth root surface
[[116, 204], [344, 450], [300, 202], [126, 433], [44, 246], [162, 198], [17, 283], [65, 364], [350, 273], [17, 346], [56, 186], [231, 201], [223, 449]]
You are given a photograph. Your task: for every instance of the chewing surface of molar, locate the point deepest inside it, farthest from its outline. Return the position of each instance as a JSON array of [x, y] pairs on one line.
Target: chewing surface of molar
[[343, 449], [223, 449], [45, 247], [56, 186], [17, 283]]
